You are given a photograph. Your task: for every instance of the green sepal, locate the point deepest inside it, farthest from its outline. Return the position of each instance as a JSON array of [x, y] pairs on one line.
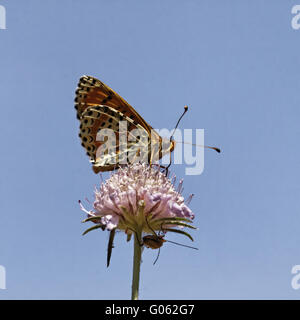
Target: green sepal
[[182, 224], [179, 231], [92, 218], [128, 218], [128, 237], [110, 245], [97, 226], [173, 219]]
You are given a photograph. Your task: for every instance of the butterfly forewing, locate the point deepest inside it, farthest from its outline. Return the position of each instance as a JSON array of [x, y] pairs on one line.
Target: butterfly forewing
[[92, 92]]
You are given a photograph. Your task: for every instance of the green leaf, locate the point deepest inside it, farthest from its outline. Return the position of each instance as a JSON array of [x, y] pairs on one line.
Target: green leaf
[[179, 231]]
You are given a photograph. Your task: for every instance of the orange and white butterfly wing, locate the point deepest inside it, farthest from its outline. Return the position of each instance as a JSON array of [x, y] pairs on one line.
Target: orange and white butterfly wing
[[104, 120], [93, 92], [99, 107]]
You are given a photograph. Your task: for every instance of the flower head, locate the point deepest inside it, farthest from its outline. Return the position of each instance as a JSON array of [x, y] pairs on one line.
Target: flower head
[[140, 197]]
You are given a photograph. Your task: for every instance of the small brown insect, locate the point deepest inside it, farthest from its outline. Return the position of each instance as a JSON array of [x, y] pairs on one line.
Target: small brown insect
[[153, 241]]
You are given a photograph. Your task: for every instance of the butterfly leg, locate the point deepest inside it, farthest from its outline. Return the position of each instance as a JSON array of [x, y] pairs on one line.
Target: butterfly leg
[[172, 139], [161, 167]]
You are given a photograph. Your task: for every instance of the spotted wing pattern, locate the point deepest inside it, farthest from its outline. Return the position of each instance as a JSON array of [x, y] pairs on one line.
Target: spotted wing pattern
[[100, 108], [93, 92], [100, 120]]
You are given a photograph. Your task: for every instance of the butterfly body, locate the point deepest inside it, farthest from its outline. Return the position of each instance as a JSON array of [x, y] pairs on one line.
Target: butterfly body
[[100, 108]]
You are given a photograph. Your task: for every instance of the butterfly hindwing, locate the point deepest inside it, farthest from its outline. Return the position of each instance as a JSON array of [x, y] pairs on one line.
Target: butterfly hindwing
[[99, 121]]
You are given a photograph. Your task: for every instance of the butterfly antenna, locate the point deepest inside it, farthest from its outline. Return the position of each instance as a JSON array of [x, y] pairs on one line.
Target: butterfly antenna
[[183, 245], [202, 146], [172, 136], [184, 112]]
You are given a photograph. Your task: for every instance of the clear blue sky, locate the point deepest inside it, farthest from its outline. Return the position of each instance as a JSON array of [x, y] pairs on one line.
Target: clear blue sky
[[235, 63]]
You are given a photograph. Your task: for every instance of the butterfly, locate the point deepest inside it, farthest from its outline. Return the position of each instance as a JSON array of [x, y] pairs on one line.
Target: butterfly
[[100, 109]]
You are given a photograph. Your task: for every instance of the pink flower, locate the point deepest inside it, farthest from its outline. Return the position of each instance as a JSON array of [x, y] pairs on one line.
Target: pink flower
[[140, 197]]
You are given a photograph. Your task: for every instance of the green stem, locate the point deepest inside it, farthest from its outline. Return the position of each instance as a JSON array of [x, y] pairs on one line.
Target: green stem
[[136, 266]]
